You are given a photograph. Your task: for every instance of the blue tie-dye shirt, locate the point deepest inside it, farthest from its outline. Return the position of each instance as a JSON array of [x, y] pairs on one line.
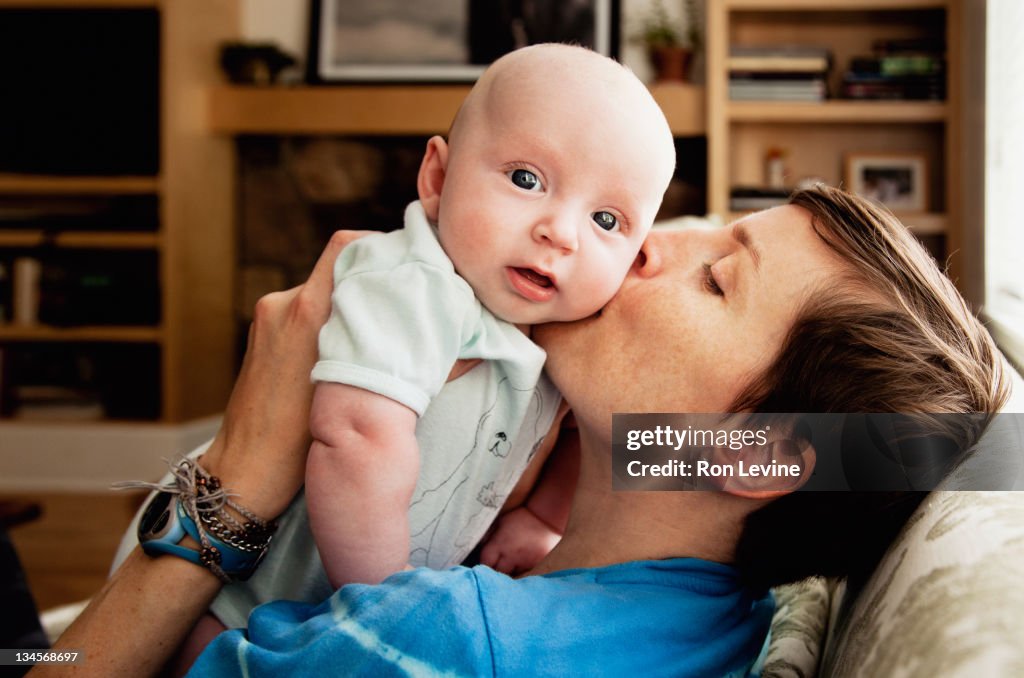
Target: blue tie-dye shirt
[[680, 617]]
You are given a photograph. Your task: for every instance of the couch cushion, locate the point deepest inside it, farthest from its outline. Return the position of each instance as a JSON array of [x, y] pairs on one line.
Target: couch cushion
[[798, 628], [946, 598]]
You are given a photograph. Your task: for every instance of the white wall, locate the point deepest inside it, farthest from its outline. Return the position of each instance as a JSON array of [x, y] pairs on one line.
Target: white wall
[[283, 23]]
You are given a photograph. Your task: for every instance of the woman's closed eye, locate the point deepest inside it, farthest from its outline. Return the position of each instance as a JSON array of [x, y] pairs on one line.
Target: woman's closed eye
[[526, 180], [710, 284]]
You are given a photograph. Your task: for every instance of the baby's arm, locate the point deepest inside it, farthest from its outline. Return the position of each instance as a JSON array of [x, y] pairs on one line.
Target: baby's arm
[[360, 476], [525, 534]]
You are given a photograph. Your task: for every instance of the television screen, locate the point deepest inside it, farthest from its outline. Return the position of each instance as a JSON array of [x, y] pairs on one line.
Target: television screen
[[81, 91]]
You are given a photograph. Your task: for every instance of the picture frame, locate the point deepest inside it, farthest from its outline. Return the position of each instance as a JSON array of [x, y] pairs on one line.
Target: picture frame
[[897, 180], [446, 40]]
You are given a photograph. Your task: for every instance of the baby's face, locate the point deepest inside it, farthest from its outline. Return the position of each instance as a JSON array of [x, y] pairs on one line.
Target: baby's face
[[546, 202]]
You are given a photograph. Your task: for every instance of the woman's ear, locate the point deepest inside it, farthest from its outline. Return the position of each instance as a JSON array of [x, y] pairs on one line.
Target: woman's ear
[[773, 470], [430, 180]]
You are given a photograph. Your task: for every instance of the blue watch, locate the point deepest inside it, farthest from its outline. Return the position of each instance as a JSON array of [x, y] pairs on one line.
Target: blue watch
[[165, 523]]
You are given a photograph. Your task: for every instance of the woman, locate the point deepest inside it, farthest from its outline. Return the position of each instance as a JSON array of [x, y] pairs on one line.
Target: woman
[[826, 304]]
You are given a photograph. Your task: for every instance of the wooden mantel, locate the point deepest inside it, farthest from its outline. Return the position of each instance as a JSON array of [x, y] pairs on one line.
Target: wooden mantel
[[387, 109]]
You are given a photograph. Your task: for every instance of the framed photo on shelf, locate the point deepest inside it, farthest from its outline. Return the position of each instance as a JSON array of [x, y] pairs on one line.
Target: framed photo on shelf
[[446, 40], [897, 180]]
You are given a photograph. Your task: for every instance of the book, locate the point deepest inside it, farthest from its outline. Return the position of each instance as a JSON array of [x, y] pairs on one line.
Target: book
[[784, 64], [869, 86], [782, 91], [50, 402], [787, 58], [810, 85], [744, 198], [772, 76], [899, 65], [879, 91], [935, 45]]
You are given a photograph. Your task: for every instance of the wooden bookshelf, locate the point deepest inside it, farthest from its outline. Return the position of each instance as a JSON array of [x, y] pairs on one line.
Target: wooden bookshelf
[[81, 240], [838, 111], [386, 109], [22, 184], [194, 343], [817, 136], [827, 5], [131, 334], [80, 4]]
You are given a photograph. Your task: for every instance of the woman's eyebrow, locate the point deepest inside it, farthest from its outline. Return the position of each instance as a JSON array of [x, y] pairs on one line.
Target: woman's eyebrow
[[742, 236]]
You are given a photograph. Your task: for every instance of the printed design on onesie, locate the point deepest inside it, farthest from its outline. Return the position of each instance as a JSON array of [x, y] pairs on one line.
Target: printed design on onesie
[[491, 436]]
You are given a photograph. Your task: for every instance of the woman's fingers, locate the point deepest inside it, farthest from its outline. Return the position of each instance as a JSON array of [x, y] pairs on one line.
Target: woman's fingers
[[261, 448], [322, 277]]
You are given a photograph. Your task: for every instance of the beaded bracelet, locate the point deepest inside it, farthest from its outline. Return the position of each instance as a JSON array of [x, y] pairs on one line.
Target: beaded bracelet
[[196, 504]]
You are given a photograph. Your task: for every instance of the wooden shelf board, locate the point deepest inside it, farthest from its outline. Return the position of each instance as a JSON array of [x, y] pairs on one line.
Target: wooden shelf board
[[77, 4], [129, 334], [930, 223], [387, 109], [838, 111], [83, 239], [351, 109], [32, 184], [684, 106], [832, 5]]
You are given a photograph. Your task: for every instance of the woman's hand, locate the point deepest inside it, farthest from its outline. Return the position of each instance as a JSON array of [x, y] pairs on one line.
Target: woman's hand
[[260, 451]]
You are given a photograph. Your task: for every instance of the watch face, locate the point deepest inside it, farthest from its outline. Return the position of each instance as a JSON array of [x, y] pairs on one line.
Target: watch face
[[158, 519]]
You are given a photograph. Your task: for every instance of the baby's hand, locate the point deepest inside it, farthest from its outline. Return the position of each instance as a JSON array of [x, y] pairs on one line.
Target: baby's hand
[[520, 541]]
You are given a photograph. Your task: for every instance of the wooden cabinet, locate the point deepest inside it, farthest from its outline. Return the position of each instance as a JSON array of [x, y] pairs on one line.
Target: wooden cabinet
[[182, 362], [816, 136]]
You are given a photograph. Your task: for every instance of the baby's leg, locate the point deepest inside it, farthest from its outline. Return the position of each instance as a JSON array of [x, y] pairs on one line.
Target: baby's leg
[[202, 633]]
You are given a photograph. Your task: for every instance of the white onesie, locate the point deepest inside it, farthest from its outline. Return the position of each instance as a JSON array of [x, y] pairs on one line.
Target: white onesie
[[400, 318]]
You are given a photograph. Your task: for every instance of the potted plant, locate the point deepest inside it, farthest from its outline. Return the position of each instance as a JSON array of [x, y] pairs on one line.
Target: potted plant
[[669, 53]]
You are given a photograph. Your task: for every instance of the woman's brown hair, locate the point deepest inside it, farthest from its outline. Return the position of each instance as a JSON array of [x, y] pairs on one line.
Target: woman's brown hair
[[893, 336]]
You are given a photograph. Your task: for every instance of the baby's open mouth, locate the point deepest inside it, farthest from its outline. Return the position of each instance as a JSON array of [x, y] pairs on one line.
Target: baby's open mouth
[[536, 278]]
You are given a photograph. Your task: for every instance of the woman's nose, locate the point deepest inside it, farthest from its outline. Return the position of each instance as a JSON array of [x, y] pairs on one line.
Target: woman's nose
[[559, 231]]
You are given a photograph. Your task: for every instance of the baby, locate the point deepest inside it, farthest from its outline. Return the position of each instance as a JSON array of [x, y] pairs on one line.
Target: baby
[[532, 211], [552, 175]]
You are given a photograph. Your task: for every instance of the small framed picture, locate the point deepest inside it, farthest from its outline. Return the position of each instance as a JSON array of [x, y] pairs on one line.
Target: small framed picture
[[897, 180], [444, 40]]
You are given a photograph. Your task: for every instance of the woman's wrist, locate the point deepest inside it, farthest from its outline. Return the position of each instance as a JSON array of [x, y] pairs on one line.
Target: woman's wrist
[[249, 485]]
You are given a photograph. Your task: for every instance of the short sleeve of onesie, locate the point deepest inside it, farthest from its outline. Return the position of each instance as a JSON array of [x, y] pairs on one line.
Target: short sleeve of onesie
[[399, 316]]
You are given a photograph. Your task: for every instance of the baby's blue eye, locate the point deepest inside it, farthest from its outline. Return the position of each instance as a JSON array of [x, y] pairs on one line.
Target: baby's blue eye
[[606, 220], [525, 179]]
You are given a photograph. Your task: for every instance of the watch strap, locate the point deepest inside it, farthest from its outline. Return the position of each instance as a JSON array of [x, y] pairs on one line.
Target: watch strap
[[237, 564]]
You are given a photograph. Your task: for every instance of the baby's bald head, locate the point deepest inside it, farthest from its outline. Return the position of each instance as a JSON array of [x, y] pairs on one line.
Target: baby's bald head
[[575, 87], [551, 178]]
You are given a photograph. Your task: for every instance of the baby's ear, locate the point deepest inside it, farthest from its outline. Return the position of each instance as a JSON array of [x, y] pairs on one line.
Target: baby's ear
[[430, 180]]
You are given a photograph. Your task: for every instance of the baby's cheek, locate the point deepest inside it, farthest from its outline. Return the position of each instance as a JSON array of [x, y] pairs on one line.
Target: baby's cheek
[[600, 291]]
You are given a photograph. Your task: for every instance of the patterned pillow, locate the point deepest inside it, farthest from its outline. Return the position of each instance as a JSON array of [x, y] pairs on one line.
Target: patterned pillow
[[798, 628], [945, 600]]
